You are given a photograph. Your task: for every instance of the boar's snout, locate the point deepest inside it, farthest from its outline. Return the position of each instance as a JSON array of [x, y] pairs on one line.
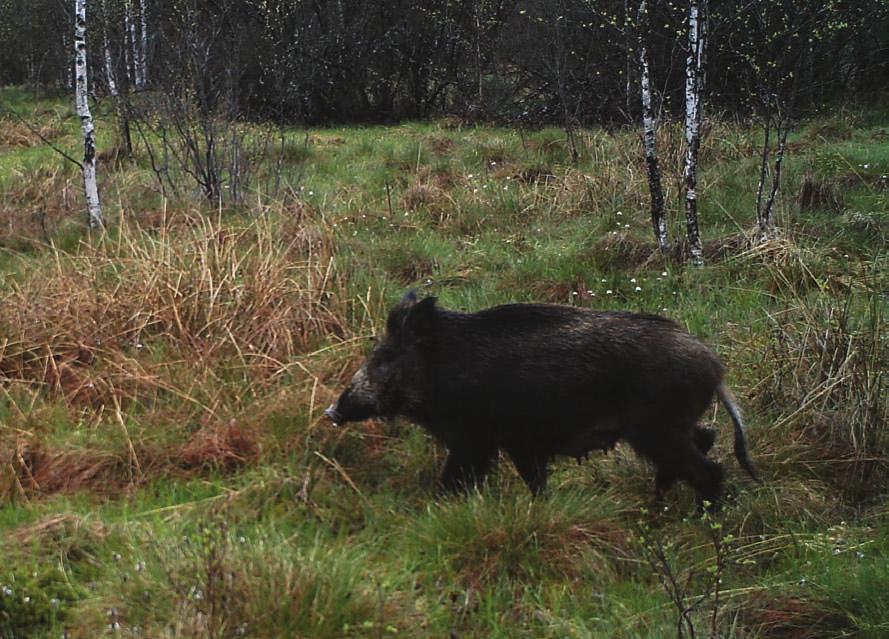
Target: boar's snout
[[357, 403], [377, 389], [333, 415]]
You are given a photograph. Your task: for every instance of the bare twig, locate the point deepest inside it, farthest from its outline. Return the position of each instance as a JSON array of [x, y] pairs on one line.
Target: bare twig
[[42, 137]]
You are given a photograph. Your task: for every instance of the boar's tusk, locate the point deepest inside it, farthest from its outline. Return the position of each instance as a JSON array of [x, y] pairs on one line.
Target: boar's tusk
[[332, 415]]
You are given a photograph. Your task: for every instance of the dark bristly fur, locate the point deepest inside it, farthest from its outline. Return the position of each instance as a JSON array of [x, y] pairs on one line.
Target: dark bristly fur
[[540, 381]]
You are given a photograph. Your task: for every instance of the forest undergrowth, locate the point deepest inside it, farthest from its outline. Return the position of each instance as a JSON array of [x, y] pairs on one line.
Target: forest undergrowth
[[166, 469]]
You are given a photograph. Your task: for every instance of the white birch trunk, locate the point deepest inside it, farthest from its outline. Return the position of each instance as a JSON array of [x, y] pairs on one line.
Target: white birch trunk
[[693, 117], [81, 86], [129, 42], [628, 66], [109, 70], [142, 53], [649, 139], [109, 64], [69, 78], [762, 231]]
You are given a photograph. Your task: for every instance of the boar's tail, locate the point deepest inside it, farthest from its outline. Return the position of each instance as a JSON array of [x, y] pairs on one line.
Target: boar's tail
[[728, 400]]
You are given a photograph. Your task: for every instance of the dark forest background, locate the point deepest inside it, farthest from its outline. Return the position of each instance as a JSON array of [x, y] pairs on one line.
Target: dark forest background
[[530, 62]]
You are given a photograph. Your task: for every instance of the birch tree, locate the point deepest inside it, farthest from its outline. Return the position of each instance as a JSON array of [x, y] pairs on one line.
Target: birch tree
[[120, 99], [694, 84], [141, 57], [781, 39], [81, 89], [110, 76], [129, 43], [649, 124]]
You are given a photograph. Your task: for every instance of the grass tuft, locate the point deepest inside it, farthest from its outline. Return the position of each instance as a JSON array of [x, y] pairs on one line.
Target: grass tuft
[[486, 538]]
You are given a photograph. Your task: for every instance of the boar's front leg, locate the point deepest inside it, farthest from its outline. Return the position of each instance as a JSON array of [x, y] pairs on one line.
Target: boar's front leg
[[533, 468], [467, 465]]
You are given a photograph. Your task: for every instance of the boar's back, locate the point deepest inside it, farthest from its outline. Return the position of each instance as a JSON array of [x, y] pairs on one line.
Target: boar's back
[[545, 372]]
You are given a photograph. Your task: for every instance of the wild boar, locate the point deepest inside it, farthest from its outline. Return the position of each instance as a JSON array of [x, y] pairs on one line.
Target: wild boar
[[540, 381]]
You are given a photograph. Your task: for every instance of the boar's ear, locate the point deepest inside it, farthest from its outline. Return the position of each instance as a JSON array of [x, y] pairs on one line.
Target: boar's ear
[[399, 313], [410, 298], [411, 319], [419, 318]]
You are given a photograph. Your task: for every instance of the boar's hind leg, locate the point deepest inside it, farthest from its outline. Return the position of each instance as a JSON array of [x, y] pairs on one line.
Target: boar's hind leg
[[682, 459], [467, 465], [703, 439]]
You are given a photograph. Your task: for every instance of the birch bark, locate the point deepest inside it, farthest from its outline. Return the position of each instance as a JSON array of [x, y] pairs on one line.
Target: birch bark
[[129, 46], [109, 63], [81, 87], [121, 105], [142, 52], [134, 46], [694, 80], [649, 139], [628, 63], [126, 45]]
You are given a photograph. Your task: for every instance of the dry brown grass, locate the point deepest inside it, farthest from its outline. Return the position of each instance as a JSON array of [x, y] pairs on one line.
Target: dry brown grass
[[174, 326], [36, 204], [820, 374], [818, 193], [15, 134], [35, 467], [616, 179], [38, 470], [557, 292], [83, 327], [430, 192], [787, 617], [54, 530], [224, 445], [534, 174], [559, 548], [420, 194], [440, 145], [619, 249]]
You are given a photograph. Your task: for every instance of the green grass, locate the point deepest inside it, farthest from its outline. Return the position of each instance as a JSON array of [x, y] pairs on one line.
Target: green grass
[[165, 469]]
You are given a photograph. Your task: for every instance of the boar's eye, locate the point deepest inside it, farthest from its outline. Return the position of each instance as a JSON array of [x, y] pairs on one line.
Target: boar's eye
[[384, 356]]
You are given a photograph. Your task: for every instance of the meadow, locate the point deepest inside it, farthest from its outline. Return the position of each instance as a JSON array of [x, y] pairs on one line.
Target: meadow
[[166, 469]]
